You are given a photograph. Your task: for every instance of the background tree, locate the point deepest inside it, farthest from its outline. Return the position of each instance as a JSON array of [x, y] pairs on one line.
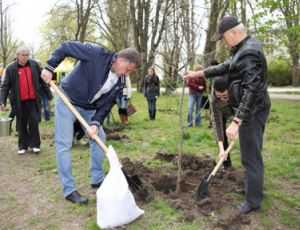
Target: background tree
[[287, 15], [148, 19], [113, 22], [8, 44], [172, 45], [62, 24], [217, 9], [84, 10]]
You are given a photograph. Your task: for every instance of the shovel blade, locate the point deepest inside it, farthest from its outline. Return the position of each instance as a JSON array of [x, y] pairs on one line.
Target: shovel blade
[[202, 190]]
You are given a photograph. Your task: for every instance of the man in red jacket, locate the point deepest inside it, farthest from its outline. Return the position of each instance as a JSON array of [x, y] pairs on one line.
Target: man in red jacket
[[196, 88], [22, 81]]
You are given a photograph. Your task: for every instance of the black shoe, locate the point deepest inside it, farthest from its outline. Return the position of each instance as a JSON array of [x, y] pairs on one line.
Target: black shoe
[[245, 208], [76, 198], [95, 186]]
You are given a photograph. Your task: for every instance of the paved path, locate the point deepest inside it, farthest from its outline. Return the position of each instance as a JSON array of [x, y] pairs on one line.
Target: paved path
[[293, 97], [285, 93]]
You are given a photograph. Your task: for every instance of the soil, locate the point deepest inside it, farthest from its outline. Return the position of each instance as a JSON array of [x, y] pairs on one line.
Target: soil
[[113, 129], [117, 136], [155, 182], [31, 196], [113, 133]]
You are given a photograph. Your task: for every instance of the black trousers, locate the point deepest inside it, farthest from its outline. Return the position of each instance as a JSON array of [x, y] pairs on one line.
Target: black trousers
[[28, 125], [12, 114], [227, 163], [251, 142]]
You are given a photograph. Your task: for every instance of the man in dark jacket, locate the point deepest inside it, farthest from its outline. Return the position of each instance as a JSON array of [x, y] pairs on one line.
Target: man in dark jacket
[[92, 87], [23, 83], [247, 72], [222, 111]]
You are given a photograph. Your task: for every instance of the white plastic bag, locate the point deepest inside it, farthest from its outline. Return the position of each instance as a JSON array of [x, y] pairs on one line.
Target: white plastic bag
[[115, 203]]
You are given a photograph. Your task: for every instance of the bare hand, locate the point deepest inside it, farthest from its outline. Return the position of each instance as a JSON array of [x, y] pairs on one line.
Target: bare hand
[[221, 150], [92, 131], [193, 74], [46, 75], [201, 87], [232, 131], [222, 154]]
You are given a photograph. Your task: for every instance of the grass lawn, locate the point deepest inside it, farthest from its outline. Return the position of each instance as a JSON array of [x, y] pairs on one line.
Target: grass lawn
[[280, 208]]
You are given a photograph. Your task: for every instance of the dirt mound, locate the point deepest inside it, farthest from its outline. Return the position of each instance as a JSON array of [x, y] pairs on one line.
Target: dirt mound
[[113, 129], [164, 156], [116, 136], [163, 183]]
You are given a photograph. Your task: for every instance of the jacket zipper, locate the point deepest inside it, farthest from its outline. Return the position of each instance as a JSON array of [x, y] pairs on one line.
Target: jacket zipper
[[28, 93]]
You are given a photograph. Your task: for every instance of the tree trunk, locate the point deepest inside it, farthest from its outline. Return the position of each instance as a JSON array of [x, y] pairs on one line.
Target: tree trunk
[[296, 70], [217, 11], [145, 42]]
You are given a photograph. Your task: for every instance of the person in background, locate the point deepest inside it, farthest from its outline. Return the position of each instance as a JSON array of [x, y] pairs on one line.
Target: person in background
[[247, 74], [123, 100], [79, 136], [92, 87], [46, 97], [151, 91], [222, 111], [23, 83], [196, 88]]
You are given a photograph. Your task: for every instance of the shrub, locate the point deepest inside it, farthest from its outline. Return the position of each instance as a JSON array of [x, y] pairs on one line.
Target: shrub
[[279, 72]]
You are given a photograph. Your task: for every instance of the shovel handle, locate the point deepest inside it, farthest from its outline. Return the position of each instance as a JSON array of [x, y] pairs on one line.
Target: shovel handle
[[220, 162], [76, 114]]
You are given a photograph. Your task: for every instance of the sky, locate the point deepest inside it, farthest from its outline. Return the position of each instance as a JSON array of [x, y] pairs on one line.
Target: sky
[[27, 17]]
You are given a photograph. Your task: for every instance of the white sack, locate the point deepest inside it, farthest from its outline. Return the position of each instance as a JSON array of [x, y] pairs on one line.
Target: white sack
[[115, 203]]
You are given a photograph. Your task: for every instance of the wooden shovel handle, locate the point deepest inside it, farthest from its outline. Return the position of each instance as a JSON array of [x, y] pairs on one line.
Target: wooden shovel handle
[[220, 162], [77, 114]]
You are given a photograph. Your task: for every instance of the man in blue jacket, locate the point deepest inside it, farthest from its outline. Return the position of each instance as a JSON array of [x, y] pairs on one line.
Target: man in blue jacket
[[92, 87]]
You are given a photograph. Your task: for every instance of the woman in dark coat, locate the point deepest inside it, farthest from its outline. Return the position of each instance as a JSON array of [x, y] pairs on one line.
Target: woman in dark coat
[[151, 91]]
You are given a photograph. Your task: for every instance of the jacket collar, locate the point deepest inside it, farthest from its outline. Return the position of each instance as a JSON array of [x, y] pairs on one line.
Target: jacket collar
[[20, 66], [239, 45]]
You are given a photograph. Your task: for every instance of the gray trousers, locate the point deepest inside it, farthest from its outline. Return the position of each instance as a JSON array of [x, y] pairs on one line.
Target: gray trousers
[[251, 142]]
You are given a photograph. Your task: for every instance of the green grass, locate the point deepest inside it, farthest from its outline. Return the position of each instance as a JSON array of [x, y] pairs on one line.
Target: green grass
[[281, 156]]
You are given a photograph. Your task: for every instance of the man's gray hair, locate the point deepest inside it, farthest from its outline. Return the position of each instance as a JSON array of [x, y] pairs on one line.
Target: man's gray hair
[[240, 28], [132, 55], [22, 49]]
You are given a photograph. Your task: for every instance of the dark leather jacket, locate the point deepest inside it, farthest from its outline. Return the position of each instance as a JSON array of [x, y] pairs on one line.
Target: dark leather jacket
[[247, 72]]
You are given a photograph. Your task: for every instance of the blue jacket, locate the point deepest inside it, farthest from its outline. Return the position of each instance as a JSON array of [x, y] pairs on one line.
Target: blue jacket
[[87, 77]]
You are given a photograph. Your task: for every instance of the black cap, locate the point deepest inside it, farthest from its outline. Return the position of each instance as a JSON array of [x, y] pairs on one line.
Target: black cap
[[227, 23]]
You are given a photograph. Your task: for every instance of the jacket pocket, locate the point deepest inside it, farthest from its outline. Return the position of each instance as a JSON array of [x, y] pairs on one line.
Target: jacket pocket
[[235, 91]]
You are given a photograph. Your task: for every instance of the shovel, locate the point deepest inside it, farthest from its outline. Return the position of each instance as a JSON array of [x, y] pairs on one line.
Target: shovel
[[202, 190], [134, 181]]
